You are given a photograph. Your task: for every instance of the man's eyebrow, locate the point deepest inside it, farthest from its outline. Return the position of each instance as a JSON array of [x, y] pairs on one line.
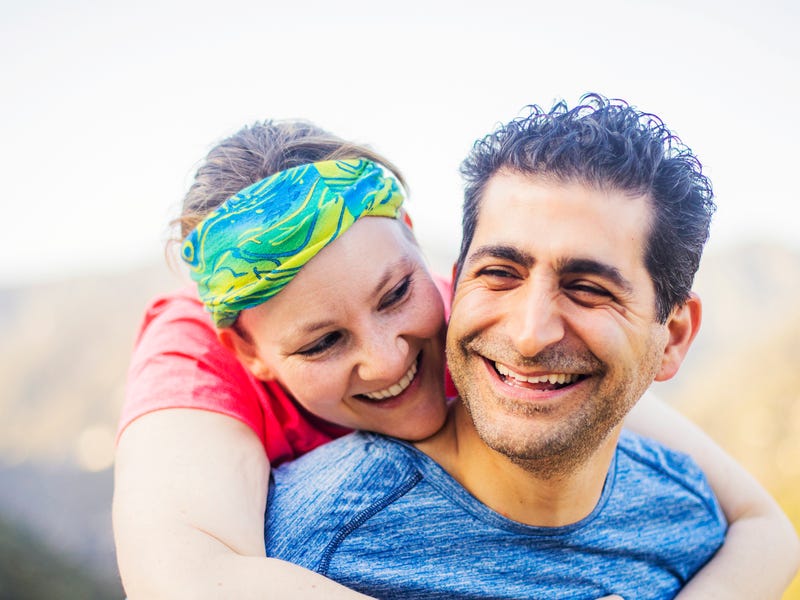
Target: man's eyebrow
[[509, 253], [576, 266]]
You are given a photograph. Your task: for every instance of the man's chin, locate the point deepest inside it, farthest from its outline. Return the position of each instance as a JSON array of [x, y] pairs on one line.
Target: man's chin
[[548, 444]]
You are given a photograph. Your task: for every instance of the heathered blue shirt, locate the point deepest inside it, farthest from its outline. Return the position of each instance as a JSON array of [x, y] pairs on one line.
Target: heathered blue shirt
[[383, 518]]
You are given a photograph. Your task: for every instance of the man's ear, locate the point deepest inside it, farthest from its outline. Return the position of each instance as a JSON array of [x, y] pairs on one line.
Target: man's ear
[[682, 325], [246, 351]]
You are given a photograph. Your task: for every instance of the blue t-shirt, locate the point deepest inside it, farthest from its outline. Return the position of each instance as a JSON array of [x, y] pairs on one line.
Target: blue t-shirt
[[378, 516]]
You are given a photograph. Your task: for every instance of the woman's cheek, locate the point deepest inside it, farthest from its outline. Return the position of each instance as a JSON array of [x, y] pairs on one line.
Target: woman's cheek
[[321, 387], [431, 312]]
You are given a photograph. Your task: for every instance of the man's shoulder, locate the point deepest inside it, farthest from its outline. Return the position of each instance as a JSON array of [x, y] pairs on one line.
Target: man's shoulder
[[650, 463], [670, 494], [317, 497], [345, 461]]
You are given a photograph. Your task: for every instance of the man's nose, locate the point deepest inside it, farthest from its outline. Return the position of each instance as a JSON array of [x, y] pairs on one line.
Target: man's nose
[[536, 322], [383, 357]]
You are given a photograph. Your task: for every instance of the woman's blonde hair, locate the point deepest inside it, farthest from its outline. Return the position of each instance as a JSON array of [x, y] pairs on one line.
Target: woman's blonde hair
[[258, 151]]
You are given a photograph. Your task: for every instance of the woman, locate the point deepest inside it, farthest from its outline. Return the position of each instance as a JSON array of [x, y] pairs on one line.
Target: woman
[[201, 429]]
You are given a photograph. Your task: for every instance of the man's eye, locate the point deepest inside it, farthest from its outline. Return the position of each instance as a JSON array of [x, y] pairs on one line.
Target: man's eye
[[396, 294], [321, 345], [495, 272], [589, 291], [497, 277]]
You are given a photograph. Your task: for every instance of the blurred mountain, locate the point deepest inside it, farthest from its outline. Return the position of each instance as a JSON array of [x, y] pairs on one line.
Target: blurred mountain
[[749, 293], [741, 380], [65, 347], [63, 357], [24, 560]]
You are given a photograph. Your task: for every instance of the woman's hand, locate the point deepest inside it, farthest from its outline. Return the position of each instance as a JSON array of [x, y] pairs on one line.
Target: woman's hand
[[761, 552]]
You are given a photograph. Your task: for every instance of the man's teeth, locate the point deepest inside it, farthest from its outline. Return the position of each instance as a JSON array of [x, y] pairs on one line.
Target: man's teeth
[[549, 378], [398, 387]]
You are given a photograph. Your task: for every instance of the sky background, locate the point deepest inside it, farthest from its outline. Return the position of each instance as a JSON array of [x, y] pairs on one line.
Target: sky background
[[108, 107]]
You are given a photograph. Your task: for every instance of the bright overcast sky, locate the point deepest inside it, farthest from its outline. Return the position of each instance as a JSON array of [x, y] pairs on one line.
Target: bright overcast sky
[[109, 106]]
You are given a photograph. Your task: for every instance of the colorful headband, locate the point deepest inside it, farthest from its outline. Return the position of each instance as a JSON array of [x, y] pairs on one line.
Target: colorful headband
[[254, 244]]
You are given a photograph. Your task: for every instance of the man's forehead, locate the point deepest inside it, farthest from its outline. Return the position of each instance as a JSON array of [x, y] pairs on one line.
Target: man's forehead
[[519, 185], [565, 221]]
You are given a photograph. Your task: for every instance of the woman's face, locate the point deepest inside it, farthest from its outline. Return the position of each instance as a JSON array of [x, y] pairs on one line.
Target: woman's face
[[357, 336]]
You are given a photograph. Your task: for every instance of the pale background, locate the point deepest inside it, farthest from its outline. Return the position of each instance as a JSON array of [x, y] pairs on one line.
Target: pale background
[[106, 109], [108, 106]]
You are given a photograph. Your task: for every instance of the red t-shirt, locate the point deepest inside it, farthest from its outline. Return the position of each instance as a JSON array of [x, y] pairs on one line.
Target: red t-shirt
[[178, 362]]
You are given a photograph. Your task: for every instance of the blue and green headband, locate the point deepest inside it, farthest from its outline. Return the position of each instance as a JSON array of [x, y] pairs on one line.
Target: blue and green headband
[[255, 243]]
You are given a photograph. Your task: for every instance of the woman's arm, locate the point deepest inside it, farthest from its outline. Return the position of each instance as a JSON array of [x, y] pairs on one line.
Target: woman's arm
[[761, 552], [189, 498]]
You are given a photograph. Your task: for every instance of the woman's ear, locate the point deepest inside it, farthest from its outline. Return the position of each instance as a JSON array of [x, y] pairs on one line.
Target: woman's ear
[[246, 352], [682, 326]]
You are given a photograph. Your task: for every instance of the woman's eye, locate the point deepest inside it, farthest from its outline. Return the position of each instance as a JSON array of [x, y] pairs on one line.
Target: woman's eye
[[321, 345], [396, 294]]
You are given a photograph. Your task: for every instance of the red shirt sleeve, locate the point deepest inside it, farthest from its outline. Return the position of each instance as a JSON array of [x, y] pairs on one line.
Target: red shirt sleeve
[[178, 362]]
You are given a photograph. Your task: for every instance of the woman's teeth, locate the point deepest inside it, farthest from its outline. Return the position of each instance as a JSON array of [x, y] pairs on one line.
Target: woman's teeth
[[552, 378], [398, 387]]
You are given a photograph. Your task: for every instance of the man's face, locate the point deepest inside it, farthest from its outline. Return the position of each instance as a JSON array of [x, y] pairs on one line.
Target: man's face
[[553, 336]]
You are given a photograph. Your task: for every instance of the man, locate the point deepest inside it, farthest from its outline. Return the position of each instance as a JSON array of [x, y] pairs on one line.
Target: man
[[583, 230]]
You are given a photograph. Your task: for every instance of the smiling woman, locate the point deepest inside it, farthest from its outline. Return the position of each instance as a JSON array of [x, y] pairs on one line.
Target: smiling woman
[[373, 362], [310, 276]]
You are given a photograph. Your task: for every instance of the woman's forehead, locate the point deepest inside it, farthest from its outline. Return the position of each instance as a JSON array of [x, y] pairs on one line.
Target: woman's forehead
[[346, 277]]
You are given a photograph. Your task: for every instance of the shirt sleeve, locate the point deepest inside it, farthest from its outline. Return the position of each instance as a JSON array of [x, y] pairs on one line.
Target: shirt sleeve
[[178, 362]]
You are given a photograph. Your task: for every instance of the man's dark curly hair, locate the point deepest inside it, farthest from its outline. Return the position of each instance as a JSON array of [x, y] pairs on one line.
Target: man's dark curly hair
[[610, 144]]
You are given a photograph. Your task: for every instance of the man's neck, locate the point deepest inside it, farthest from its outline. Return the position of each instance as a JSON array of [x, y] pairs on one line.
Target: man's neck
[[518, 491]]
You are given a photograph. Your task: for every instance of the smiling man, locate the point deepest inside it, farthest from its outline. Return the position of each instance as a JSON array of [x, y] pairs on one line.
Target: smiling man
[[554, 336], [583, 230]]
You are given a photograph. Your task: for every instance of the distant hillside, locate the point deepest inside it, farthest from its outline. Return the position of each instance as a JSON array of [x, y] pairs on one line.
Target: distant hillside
[[741, 381], [65, 348], [66, 512], [63, 357], [749, 293], [29, 570]]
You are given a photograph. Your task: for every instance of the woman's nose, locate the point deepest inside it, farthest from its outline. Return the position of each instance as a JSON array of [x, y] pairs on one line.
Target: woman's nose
[[384, 357]]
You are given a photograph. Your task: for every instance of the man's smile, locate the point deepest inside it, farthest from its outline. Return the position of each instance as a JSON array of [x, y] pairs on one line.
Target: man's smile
[[543, 381], [543, 384]]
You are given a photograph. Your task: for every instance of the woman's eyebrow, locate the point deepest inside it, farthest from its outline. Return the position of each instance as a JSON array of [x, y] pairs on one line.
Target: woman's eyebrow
[[401, 264], [299, 329], [316, 325]]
